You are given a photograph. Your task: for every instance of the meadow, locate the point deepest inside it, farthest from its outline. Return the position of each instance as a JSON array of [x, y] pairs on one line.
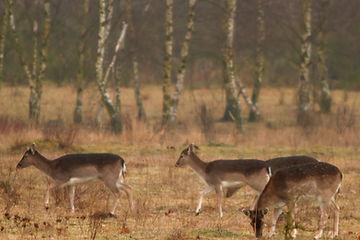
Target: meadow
[[165, 196]]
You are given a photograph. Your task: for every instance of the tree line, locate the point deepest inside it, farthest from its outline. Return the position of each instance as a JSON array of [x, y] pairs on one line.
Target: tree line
[[110, 43]]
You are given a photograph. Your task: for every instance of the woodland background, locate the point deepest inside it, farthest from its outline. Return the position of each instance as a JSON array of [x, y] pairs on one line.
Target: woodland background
[[144, 78]]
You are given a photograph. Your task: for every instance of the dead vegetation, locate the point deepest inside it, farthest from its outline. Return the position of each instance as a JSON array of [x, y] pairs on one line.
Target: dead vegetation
[[165, 199]]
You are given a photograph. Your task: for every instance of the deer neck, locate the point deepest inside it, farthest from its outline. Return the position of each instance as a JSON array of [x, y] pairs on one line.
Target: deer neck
[[268, 198], [43, 164], [198, 165]]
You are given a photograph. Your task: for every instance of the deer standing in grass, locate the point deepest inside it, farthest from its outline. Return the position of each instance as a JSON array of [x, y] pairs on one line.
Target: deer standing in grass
[[278, 163], [321, 181], [228, 176], [72, 169], [221, 174]]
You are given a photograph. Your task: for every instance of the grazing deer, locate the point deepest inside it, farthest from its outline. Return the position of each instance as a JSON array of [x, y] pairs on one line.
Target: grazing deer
[[320, 180], [69, 170], [221, 174], [275, 164]]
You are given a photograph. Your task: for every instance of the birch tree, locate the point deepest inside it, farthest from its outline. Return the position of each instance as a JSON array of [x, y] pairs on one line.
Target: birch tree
[[4, 31], [169, 38], [304, 90], [184, 53], [78, 111], [35, 75], [141, 115], [105, 16], [259, 72], [233, 101], [325, 94], [171, 99]]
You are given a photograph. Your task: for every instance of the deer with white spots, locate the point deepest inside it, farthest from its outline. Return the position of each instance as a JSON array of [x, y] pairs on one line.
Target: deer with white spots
[[72, 169]]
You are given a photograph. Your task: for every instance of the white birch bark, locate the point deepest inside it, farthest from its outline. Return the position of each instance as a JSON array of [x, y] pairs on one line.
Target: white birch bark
[[167, 61], [18, 46], [141, 114], [254, 113], [304, 100], [35, 75], [184, 53], [79, 82], [325, 93], [101, 78], [4, 31], [230, 86]]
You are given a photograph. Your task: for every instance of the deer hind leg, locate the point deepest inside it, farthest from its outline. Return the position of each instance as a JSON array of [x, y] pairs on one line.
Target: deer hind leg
[[290, 226], [293, 212], [277, 212], [203, 193], [219, 196], [322, 220], [116, 192], [336, 210], [47, 197], [71, 197], [128, 191]]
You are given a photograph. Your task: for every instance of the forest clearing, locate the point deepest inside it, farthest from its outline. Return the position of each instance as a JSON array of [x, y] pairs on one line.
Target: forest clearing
[[166, 196], [199, 119]]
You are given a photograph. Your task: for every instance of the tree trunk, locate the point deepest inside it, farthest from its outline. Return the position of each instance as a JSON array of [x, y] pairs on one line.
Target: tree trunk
[[34, 99], [325, 94], [78, 111], [36, 76], [101, 79], [116, 120], [259, 74], [183, 61], [167, 61], [141, 115], [4, 30], [40, 64], [15, 37], [304, 101], [233, 103]]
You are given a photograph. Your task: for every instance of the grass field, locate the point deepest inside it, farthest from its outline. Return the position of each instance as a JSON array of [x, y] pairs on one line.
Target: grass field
[[166, 196]]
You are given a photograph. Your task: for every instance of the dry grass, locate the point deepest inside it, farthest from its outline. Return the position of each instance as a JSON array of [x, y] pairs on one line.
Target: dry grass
[[166, 197]]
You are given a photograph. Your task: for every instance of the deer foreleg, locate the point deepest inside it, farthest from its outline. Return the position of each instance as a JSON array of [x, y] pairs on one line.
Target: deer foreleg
[[219, 196], [50, 188], [277, 212], [203, 193]]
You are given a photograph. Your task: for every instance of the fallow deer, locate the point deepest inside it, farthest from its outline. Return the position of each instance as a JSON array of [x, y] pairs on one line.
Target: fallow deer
[[71, 169], [221, 174], [320, 180], [275, 164]]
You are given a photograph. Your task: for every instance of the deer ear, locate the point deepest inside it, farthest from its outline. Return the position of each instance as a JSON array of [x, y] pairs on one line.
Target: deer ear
[[32, 149], [189, 149], [193, 147], [246, 211], [264, 212]]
